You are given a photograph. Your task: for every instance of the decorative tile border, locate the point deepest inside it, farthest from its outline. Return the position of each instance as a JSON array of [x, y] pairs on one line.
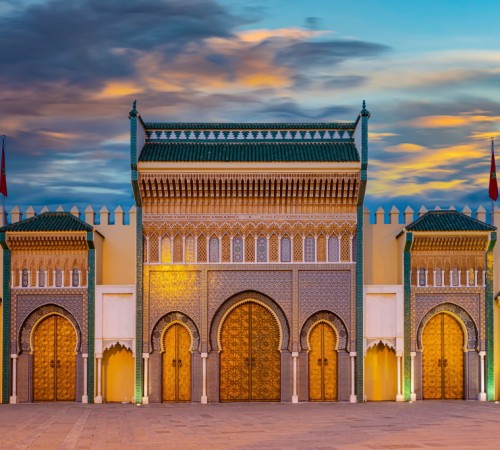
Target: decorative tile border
[[245, 135]]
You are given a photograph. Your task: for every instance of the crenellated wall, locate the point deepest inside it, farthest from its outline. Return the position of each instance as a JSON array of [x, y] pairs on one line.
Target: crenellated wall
[[117, 264], [383, 252]]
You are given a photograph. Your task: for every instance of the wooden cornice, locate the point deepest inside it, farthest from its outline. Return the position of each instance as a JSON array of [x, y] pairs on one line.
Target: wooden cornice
[[440, 243], [28, 241], [338, 188]]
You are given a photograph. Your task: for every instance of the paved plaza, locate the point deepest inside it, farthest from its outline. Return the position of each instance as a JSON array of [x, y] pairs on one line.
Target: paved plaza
[[432, 424]]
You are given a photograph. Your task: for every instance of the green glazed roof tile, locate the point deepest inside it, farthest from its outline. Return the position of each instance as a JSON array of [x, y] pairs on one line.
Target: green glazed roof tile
[[448, 221], [250, 152], [49, 221]]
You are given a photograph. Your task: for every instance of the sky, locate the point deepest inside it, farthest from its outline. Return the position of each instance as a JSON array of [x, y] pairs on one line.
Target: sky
[[70, 70]]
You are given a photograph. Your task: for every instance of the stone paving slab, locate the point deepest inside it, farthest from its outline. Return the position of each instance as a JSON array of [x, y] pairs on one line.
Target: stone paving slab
[[376, 426]]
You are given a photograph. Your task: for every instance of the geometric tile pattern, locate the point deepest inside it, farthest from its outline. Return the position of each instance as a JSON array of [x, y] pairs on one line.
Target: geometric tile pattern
[[173, 290], [29, 307], [35, 316], [324, 316], [224, 284], [169, 319], [246, 297], [247, 135], [472, 335], [464, 305], [325, 291]]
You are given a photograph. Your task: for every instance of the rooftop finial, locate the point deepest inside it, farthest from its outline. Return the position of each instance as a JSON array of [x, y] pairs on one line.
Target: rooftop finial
[[364, 111], [133, 113]]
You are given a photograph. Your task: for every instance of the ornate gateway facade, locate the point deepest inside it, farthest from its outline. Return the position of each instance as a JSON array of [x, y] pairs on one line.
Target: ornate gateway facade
[[248, 259], [247, 271]]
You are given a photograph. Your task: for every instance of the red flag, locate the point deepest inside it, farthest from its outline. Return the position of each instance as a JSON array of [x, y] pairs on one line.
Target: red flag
[[493, 191], [3, 176]]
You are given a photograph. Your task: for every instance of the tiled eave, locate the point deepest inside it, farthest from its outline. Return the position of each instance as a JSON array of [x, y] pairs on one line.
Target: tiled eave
[[217, 167]]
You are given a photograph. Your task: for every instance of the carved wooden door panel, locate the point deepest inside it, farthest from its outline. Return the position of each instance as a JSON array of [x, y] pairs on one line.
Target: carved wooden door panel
[[442, 358], [54, 371], [265, 360], [177, 365], [44, 373], [235, 356], [453, 358], [65, 360], [250, 360], [322, 364]]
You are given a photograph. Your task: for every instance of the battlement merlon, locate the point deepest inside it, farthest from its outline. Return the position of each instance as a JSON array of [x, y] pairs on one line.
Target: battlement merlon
[[104, 217], [394, 216]]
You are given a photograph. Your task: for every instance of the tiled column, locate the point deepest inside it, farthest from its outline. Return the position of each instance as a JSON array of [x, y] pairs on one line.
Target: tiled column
[[13, 397], [204, 399], [399, 395], [353, 397], [85, 396], [482, 394], [145, 398], [295, 397], [413, 396], [98, 398]]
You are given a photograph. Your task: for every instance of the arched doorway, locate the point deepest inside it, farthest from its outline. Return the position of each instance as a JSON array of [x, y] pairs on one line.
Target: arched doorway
[[118, 374], [322, 363], [176, 384], [54, 360], [443, 358], [250, 359], [381, 372]]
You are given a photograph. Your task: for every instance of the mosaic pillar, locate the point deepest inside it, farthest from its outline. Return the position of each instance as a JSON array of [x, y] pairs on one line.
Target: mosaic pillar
[[204, 398], [145, 398], [482, 394], [353, 397], [413, 396], [85, 397], [98, 397], [399, 395], [295, 397], [13, 397]]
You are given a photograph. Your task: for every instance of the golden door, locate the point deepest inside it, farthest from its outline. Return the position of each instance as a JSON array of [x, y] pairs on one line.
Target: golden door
[[322, 364], [177, 365], [54, 361], [443, 358], [250, 360]]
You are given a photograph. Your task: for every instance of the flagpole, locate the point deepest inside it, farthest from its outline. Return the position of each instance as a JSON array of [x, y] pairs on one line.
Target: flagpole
[[3, 193], [492, 217]]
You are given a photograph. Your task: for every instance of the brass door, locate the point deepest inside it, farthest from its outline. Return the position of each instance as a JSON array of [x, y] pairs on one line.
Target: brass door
[[177, 365], [250, 360], [443, 358], [322, 364], [54, 360]]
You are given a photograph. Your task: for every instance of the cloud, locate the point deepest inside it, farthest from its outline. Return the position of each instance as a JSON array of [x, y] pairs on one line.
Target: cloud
[[405, 147], [72, 69], [89, 39], [428, 172], [292, 33], [374, 136], [323, 53], [449, 121]]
